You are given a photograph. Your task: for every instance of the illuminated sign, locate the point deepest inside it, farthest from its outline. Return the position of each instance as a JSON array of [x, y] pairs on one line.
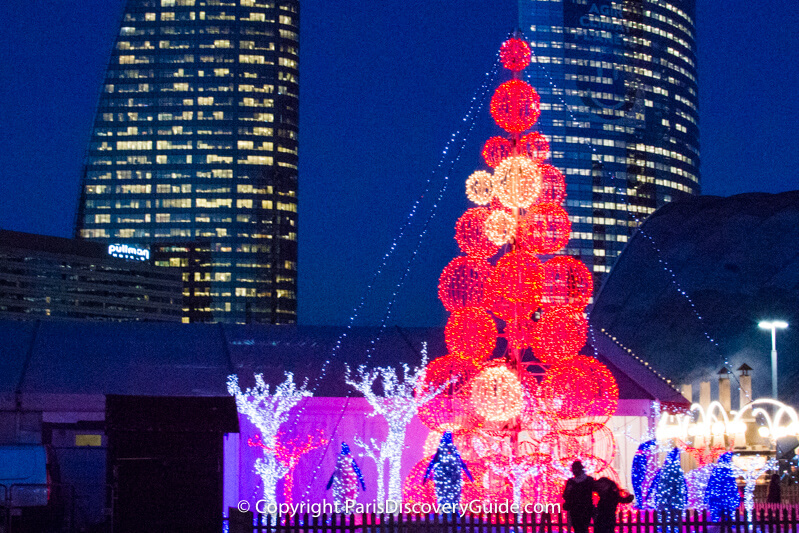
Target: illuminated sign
[[123, 251]]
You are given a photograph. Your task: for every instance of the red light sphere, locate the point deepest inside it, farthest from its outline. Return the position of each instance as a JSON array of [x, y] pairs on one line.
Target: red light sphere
[[464, 283], [414, 489], [470, 233], [595, 440], [515, 106], [545, 229], [510, 311], [517, 277], [495, 150], [566, 282], [471, 332], [450, 410], [515, 54], [559, 335], [553, 185], [535, 146], [580, 387]]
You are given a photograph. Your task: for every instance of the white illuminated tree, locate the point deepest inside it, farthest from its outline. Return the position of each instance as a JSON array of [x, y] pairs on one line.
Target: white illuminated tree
[[268, 411], [398, 406]]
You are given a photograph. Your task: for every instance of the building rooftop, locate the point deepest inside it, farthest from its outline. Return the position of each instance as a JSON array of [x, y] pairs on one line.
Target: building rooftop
[[172, 359]]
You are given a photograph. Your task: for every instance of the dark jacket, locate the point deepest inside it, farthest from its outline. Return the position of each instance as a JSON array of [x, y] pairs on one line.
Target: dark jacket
[[578, 497]]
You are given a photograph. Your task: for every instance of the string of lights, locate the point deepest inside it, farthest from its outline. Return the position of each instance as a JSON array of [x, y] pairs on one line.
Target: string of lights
[[585, 140], [476, 104]]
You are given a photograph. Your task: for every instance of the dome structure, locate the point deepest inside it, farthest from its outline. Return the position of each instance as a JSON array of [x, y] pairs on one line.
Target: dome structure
[[692, 284]]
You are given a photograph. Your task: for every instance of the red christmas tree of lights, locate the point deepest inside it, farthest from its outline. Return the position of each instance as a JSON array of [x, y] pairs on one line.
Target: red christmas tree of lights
[[517, 321]]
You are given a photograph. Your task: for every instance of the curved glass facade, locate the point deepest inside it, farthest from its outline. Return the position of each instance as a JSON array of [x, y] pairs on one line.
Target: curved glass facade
[[619, 107], [194, 151]]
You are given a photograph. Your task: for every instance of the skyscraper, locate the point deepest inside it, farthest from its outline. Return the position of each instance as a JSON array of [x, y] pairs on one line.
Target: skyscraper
[[619, 106], [194, 151]]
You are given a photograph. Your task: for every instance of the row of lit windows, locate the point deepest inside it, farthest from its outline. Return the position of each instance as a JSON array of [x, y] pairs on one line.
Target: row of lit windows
[[170, 16], [133, 233]]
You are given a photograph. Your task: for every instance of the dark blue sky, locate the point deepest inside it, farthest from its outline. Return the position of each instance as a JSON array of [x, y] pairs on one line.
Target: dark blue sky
[[384, 85]]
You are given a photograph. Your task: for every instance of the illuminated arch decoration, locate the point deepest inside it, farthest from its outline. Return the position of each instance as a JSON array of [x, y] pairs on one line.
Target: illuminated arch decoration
[[495, 150], [463, 283], [515, 106], [472, 332], [517, 182], [515, 54], [545, 229], [470, 233], [525, 307]]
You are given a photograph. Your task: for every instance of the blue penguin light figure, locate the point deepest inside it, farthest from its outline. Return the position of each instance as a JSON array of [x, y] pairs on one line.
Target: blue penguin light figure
[[446, 467]]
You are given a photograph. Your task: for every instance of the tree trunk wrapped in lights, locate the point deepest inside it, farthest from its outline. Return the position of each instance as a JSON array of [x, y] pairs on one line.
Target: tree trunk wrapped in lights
[[268, 411], [398, 404]]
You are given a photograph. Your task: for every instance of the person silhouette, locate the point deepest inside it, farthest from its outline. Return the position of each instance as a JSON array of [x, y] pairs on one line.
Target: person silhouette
[[610, 496], [578, 498]]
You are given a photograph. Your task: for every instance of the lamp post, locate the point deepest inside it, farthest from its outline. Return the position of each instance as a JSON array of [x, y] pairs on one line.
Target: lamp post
[[773, 325]]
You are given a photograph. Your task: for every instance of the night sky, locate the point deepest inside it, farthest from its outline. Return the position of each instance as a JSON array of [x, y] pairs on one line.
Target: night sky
[[384, 86]]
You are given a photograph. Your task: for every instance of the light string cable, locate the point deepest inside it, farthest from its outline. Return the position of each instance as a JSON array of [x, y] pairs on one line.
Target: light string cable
[[476, 104], [664, 264], [480, 102]]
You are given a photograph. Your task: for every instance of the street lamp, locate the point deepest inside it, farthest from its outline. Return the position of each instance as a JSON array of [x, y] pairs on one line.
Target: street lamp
[[773, 325]]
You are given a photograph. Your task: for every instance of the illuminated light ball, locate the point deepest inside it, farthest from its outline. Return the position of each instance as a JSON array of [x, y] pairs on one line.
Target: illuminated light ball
[[545, 229], [463, 283], [415, 490], [496, 394], [567, 281], [559, 334], [553, 185], [518, 277], [519, 333], [535, 146], [479, 187], [450, 410], [515, 106], [500, 227], [470, 233], [580, 387], [596, 440], [495, 150], [515, 54], [510, 311], [471, 332], [517, 182]]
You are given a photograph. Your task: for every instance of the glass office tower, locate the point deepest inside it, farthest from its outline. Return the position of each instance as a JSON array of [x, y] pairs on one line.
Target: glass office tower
[[194, 151], [619, 106]]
